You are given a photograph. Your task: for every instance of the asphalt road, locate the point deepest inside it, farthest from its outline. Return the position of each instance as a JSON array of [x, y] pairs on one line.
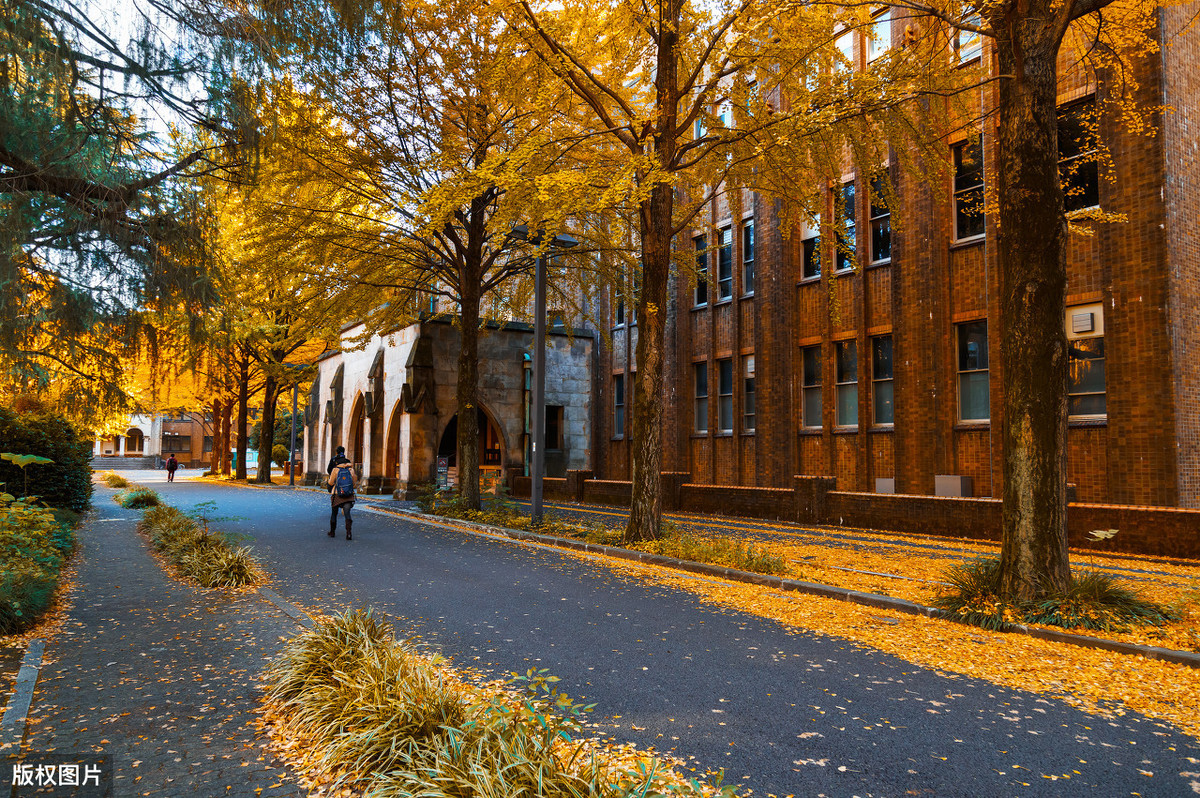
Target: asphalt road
[[782, 712]]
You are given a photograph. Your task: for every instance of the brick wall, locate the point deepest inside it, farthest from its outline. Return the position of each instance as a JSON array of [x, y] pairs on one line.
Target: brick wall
[[738, 500]]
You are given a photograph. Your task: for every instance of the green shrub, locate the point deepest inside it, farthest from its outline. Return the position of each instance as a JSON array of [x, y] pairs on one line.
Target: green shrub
[[137, 497], [114, 480], [389, 722], [67, 482], [206, 557], [1093, 600], [33, 548]]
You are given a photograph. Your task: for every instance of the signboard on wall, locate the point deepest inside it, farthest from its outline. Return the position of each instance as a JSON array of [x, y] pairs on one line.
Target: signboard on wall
[[443, 472]]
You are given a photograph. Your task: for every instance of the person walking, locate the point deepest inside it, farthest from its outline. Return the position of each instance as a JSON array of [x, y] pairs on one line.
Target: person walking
[[343, 483], [172, 464]]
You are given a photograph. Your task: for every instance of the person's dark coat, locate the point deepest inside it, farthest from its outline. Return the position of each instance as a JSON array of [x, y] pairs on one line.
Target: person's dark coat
[[335, 461]]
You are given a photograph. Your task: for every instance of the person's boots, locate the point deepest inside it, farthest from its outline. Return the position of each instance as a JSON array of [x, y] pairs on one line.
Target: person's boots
[[348, 535], [332, 531]]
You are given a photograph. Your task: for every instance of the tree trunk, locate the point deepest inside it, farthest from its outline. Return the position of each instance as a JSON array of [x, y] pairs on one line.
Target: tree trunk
[[656, 221], [467, 395], [243, 402], [226, 434], [214, 461], [1033, 346], [266, 428]]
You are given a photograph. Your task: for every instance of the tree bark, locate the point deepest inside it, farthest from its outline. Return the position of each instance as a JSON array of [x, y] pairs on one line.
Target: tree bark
[[1032, 264], [226, 436], [656, 222], [266, 428], [242, 413], [467, 397]]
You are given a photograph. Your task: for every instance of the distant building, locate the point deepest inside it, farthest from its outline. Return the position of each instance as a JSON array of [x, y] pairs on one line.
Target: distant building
[[393, 404], [150, 439]]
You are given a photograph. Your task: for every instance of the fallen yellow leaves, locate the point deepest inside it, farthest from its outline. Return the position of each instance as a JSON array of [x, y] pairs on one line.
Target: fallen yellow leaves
[[1100, 682]]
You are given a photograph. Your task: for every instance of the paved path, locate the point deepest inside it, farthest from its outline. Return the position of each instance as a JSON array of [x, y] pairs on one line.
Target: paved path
[[160, 675], [783, 712]]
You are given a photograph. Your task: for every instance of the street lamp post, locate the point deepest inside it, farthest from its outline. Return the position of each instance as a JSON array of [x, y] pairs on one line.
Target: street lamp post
[[538, 466]]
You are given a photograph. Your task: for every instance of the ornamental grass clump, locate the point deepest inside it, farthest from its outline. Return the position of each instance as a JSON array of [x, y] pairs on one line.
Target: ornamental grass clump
[[683, 543], [208, 558], [365, 711], [34, 546], [137, 497], [114, 480], [1094, 601]]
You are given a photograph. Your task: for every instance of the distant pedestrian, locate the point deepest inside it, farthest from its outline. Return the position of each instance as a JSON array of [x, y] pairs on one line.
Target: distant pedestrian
[[338, 458], [343, 483], [172, 464]]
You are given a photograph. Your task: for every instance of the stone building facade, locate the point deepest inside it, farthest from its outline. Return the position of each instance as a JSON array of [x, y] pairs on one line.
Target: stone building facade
[[882, 370], [392, 404]]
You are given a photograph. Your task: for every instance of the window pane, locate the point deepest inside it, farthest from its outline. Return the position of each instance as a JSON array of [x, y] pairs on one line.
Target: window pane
[[968, 189], [972, 346], [701, 379], [725, 263], [812, 257], [973, 396], [748, 404], [701, 415], [701, 243], [748, 258], [812, 365], [847, 406], [884, 412], [847, 361], [881, 35], [881, 357], [812, 407], [1087, 405]]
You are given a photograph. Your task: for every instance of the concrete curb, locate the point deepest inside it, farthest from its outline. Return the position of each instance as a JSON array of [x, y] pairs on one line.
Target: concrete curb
[[16, 714], [1185, 658]]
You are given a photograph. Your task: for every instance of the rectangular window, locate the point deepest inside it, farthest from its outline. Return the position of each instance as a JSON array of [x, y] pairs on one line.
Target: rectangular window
[[880, 40], [725, 395], [700, 372], [968, 188], [619, 406], [846, 236], [881, 223], [967, 44], [812, 386], [176, 443], [847, 383], [208, 443], [748, 395], [701, 243], [748, 257], [619, 314], [1085, 362], [881, 380], [1078, 171], [845, 46], [554, 427], [973, 392], [811, 242], [725, 263]]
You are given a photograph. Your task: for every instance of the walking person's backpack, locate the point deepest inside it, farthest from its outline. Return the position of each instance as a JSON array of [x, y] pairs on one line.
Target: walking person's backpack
[[345, 482]]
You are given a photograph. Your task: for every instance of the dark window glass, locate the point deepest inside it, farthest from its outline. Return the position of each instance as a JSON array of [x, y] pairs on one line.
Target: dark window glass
[[748, 397], [846, 353], [725, 263], [881, 379], [748, 258], [846, 237], [701, 243], [701, 379], [881, 224], [812, 255], [1085, 377], [1078, 170], [619, 405], [725, 395], [554, 427], [973, 392], [968, 188], [812, 386]]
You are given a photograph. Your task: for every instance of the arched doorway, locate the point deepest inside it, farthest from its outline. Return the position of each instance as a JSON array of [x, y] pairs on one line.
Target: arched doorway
[[134, 442], [391, 459], [356, 449], [491, 450]]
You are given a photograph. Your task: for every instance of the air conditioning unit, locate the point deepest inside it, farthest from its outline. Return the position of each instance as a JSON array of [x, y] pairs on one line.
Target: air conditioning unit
[[951, 485]]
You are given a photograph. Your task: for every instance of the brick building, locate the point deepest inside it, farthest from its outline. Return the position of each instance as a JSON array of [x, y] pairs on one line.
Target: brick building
[[881, 369]]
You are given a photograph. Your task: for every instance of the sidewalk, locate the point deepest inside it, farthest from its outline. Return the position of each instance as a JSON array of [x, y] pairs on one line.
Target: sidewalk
[[157, 674]]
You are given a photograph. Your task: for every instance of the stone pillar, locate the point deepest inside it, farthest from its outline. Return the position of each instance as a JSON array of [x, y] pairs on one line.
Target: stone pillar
[[812, 497]]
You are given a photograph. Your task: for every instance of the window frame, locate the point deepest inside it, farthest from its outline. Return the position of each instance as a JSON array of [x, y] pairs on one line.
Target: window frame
[[963, 372], [1084, 160], [874, 217], [725, 396], [1096, 333], [972, 190], [618, 405], [813, 248], [749, 245], [700, 400], [724, 263], [845, 256], [700, 242], [966, 46], [810, 384], [878, 382], [845, 356], [748, 394], [880, 17]]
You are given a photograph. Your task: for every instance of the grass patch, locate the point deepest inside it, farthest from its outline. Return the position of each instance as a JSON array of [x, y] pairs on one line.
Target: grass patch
[[137, 497], [114, 480], [1094, 601], [34, 546], [677, 541], [208, 558], [362, 710]]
